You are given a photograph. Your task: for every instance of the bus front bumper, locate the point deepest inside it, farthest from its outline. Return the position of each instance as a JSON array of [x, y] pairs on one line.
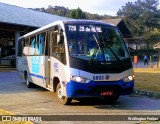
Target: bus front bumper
[[98, 89]]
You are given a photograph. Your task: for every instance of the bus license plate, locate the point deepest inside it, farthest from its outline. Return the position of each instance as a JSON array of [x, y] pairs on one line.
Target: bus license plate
[[106, 93]]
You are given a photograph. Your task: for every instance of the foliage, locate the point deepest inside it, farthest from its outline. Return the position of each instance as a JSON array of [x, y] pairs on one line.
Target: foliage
[[155, 36], [56, 10], [142, 17], [62, 11], [77, 14]]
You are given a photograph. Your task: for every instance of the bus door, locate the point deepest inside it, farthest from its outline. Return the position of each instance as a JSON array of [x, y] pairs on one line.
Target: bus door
[[48, 59], [55, 55], [19, 63]]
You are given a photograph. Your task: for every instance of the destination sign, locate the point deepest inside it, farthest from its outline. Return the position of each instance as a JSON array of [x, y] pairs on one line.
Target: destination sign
[[84, 28]]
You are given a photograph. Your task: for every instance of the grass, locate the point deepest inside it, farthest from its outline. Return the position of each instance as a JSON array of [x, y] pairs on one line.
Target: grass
[[147, 79]]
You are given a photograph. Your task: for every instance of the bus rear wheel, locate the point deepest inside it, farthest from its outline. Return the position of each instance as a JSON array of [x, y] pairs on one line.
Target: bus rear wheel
[[62, 99]]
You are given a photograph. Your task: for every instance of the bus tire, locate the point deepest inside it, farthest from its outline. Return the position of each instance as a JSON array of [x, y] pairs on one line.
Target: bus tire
[[28, 83], [62, 99], [111, 99]]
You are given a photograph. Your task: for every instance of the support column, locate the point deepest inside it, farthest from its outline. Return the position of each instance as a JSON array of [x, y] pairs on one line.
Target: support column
[[17, 35]]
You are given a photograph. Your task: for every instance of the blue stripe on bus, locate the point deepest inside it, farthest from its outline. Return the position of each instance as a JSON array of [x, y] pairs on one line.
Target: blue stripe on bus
[[38, 76]]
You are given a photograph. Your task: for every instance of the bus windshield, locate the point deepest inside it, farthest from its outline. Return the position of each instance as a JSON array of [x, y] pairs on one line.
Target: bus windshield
[[95, 42]]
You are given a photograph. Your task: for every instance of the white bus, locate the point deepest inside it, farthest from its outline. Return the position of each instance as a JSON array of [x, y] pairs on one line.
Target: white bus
[[76, 59]]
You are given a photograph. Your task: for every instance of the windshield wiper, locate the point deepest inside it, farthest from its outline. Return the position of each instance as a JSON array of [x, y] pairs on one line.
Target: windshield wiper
[[93, 56], [95, 51], [110, 49]]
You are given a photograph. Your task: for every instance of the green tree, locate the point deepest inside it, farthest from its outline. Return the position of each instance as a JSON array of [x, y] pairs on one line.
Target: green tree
[[142, 17], [77, 14], [58, 10]]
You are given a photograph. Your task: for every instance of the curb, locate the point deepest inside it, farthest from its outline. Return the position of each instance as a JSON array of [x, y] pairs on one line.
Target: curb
[[149, 94]]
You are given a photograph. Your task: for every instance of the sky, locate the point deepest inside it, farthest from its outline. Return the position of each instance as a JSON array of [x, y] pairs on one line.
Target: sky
[[101, 7]]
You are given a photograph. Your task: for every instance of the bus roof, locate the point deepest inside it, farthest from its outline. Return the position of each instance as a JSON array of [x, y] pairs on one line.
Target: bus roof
[[78, 21], [72, 21]]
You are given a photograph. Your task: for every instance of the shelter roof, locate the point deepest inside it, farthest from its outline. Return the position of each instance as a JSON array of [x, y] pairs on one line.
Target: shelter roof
[[11, 14]]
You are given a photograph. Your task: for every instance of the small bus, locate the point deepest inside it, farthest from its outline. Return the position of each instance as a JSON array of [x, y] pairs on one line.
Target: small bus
[[76, 59]]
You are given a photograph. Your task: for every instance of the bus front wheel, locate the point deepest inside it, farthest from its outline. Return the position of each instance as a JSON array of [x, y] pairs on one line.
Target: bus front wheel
[[62, 99], [28, 83]]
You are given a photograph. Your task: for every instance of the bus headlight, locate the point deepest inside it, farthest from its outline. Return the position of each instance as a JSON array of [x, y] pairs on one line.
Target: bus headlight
[[79, 79], [128, 78]]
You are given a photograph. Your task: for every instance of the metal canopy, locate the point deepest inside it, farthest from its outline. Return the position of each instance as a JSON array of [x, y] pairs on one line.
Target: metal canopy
[[25, 17]]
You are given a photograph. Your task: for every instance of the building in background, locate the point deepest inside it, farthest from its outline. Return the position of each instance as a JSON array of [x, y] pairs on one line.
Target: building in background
[[16, 21]]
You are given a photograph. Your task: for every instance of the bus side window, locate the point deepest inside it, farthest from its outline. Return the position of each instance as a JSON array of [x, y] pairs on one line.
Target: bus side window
[[58, 47], [63, 53], [26, 44], [54, 45], [32, 45], [40, 44]]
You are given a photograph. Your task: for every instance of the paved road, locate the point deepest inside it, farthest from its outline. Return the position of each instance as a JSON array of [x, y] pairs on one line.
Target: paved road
[[17, 98]]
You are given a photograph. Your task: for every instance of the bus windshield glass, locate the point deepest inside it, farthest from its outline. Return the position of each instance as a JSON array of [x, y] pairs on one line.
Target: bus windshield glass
[[95, 42]]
